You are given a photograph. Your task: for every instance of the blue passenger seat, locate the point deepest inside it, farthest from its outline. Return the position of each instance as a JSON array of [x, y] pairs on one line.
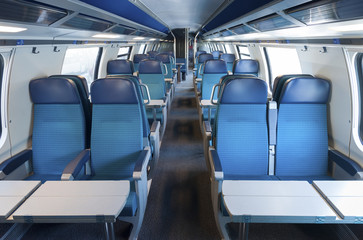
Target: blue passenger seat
[[120, 67], [302, 135], [152, 54], [281, 80], [201, 59], [217, 54], [229, 58], [137, 59], [246, 66]]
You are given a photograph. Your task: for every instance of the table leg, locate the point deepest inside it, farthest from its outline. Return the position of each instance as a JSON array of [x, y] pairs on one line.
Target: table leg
[[109, 231], [178, 74], [245, 228], [154, 114]]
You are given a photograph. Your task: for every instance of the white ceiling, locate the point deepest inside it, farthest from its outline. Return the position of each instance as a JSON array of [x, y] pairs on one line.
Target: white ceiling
[[183, 14]]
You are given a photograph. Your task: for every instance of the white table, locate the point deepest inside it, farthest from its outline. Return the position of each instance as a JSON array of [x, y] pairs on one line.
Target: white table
[[154, 104], [346, 197], [206, 103], [274, 202], [13, 194]]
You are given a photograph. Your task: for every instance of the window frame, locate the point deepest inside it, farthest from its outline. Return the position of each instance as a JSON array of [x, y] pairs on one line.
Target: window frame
[[359, 73], [242, 54], [128, 54]]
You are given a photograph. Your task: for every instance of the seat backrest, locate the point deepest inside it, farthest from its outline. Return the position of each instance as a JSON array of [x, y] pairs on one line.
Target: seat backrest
[[116, 138], [83, 92], [280, 81], [302, 137], [240, 127], [216, 54], [246, 66], [229, 58], [166, 59], [137, 59], [151, 74], [201, 59], [59, 129], [214, 69], [120, 67], [152, 54]]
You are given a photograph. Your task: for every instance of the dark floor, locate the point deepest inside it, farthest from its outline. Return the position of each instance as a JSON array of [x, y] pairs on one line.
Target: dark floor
[[179, 204]]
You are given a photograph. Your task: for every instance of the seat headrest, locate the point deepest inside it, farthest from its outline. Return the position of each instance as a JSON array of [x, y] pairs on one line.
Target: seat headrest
[[113, 91], [119, 66], [305, 90], [152, 54], [213, 66], [245, 66], [198, 53], [163, 57], [53, 91], [228, 57], [241, 90], [280, 81], [76, 78], [150, 67], [216, 54], [139, 57], [204, 57]]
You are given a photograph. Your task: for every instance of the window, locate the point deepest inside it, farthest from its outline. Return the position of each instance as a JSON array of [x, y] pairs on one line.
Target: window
[[243, 52], [124, 52], [82, 61], [1, 83], [142, 48], [359, 68], [281, 61]]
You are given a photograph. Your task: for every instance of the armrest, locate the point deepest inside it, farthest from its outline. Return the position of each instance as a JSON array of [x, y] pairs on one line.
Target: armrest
[[141, 164], [346, 163], [272, 122], [14, 162], [74, 167], [215, 164], [207, 128], [155, 126]]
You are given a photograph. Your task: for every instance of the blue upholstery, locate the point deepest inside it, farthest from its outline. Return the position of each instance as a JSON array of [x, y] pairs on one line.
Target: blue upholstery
[[213, 71], [116, 138], [82, 87], [137, 59], [246, 66], [280, 81], [197, 56], [120, 66], [150, 73], [152, 54], [229, 58], [201, 59], [305, 152], [240, 131], [59, 125], [167, 60], [216, 54]]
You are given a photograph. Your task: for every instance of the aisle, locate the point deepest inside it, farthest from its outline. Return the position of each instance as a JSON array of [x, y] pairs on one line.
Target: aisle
[[179, 205]]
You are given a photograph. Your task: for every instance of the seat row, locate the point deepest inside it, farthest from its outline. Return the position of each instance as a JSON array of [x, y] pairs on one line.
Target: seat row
[[122, 146], [286, 139]]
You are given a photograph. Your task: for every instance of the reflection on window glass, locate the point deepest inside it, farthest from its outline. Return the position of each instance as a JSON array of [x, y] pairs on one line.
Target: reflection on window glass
[[360, 91], [142, 48], [228, 48], [1, 79], [282, 61], [243, 52], [81, 61], [124, 53]]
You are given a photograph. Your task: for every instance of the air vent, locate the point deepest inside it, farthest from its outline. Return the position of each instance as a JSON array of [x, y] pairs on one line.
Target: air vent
[[241, 29], [122, 30], [271, 22], [87, 23], [328, 11], [29, 12]]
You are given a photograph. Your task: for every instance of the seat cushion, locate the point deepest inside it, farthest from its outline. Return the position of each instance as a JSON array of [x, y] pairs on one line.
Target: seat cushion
[[305, 178], [130, 206], [44, 177], [249, 177]]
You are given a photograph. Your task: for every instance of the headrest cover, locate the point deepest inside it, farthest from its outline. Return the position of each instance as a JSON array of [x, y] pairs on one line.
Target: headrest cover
[[244, 91], [163, 57], [150, 67], [204, 57], [139, 57], [215, 66], [216, 54], [280, 81], [198, 53], [245, 66], [53, 91], [228, 57], [306, 90], [152, 54], [119, 66], [113, 91]]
